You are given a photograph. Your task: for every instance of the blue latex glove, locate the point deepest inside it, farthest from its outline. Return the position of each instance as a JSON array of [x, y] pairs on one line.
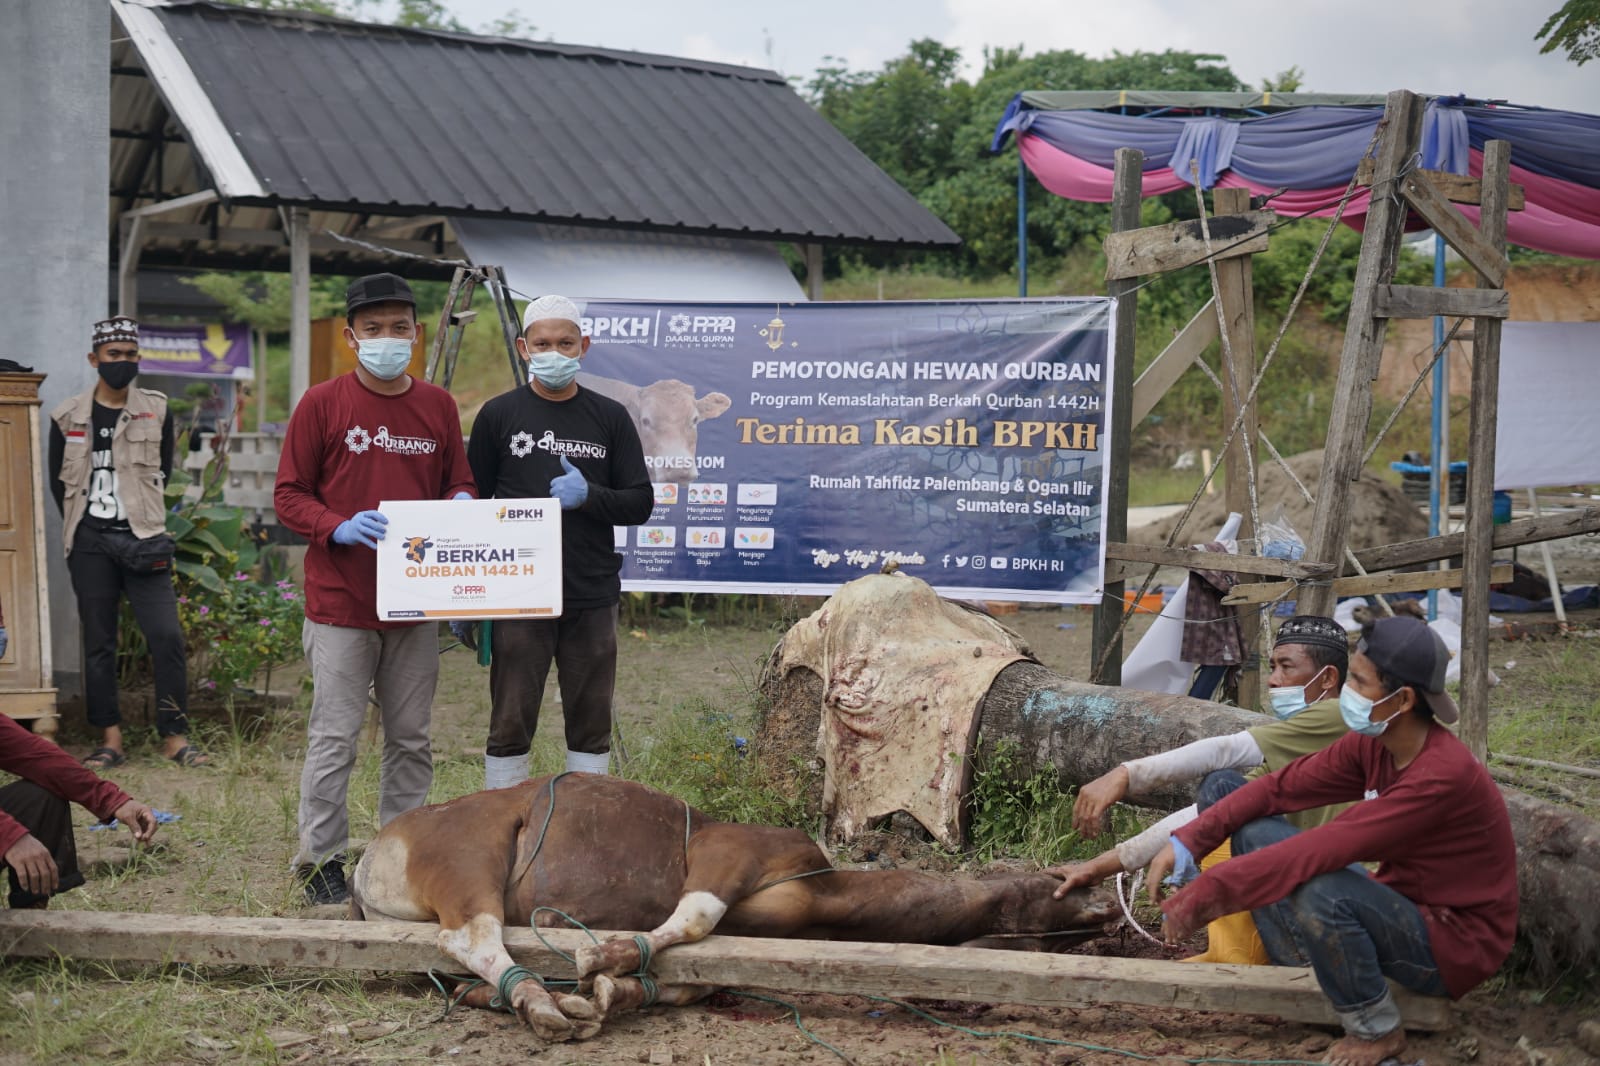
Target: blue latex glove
[[462, 496], [366, 527], [4, 640], [1184, 869], [570, 488], [466, 631]]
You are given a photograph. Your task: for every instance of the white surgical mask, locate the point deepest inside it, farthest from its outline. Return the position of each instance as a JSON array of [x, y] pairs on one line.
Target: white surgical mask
[[1290, 700], [1356, 710], [552, 369], [385, 358]]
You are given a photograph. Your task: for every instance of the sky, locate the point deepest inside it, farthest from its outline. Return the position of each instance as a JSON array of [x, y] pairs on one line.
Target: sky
[[1483, 48]]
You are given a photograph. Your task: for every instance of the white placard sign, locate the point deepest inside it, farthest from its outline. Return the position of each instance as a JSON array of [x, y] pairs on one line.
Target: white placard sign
[[470, 559]]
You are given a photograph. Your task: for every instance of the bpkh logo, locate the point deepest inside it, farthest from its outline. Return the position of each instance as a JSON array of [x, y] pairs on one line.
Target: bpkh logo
[[520, 514], [617, 329]]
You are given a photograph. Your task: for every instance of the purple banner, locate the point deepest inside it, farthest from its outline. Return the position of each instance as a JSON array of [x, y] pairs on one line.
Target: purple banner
[[218, 350]]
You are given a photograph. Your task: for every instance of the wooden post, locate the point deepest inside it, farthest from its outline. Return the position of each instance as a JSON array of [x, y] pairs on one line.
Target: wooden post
[[1128, 186], [1363, 346], [1479, 555], [1235, 310], [813, 255], [299, 304], [131, 229]]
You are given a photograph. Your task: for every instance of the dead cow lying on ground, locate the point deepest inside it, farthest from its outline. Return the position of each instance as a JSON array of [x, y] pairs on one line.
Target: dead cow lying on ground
[[615, 854], [667, 416]]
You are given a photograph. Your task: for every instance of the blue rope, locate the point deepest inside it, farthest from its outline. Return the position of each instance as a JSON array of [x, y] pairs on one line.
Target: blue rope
[[467, 985]]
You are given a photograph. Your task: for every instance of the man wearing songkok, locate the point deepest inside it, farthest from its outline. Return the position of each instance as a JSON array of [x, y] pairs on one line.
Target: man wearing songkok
[[559, 439]]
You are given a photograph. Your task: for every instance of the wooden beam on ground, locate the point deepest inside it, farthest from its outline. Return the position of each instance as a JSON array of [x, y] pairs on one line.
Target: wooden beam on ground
[[1513, 533], [1196, 559], [1157, 249], [896, 971], [1233, 291], [1371, 585], [1351, 412], [1479, 554], [1106, 640], [1426, 200], [1175, 358], [1457, 188], [1425, 301]]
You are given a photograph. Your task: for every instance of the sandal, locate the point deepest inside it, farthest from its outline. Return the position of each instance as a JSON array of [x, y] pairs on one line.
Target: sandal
[[189, 755], [104, 759]]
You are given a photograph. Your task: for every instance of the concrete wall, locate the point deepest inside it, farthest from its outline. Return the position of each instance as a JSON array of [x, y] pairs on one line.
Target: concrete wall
[[55, 119]]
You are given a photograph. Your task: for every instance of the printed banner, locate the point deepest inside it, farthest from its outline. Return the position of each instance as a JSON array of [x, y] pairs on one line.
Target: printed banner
[[795, 447], [470, 559], [215, 350]]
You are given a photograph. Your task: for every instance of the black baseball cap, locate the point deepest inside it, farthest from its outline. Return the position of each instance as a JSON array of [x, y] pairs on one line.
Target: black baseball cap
[[1405, 648], [377, 289]]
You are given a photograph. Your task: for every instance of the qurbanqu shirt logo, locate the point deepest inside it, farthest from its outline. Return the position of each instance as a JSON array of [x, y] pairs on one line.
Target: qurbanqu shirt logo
[[359, 440], [549, 443]]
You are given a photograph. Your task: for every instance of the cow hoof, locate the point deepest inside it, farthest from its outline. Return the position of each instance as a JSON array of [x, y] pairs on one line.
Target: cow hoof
[[612, 956], [588, 959], [586, 1030], [605, 992], [577, 1008]]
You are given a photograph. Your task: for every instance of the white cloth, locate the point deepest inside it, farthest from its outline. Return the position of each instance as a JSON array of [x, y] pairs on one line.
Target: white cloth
[[504, 771], [584, 762], [1237, 751], [1156, 662], [1136, 852], [1545, 429]]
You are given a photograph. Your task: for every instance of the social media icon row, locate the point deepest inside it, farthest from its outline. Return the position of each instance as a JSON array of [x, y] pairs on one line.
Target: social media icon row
[[977, 562]]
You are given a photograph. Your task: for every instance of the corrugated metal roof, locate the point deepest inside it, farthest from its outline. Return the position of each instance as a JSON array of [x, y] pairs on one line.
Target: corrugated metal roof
[[345, 116]]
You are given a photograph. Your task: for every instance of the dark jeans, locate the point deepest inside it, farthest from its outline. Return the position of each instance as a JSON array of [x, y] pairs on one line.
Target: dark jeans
[[583, 646], [1350, 929], [49, 818], [100, 583]]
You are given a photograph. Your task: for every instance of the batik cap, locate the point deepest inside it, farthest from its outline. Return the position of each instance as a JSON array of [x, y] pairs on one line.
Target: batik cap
[[1407, 649], [116, 328], [1313, 629]]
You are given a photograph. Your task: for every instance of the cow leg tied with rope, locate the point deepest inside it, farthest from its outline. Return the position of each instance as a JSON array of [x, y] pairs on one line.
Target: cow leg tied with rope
[[478, 944]]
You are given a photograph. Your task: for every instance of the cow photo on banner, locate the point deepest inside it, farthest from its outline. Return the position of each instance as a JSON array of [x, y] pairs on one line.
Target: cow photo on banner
[[794, 447]]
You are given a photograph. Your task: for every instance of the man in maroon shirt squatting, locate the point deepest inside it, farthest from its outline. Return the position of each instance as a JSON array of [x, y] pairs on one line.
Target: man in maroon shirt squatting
[[1439, 915], [36, 822]]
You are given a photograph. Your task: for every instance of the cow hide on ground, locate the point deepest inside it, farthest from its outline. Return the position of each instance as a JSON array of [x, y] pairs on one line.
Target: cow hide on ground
[[1083, 730]]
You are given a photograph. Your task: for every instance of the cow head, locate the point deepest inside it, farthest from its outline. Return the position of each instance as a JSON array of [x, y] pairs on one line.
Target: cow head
[[417, 548], [667, 415]]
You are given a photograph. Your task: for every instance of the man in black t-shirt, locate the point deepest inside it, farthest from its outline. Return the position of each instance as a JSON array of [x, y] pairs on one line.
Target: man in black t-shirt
[[557, 439], [110, 457]]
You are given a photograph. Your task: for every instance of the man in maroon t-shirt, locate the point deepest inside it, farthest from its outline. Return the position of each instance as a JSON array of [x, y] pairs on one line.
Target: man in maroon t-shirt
[[372, 434], [1440, 913]]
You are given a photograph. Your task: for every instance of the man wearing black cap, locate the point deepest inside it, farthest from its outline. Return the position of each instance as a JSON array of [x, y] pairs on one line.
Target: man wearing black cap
[[1440, 914], [110, 457], [1308, 663], [373, 434]]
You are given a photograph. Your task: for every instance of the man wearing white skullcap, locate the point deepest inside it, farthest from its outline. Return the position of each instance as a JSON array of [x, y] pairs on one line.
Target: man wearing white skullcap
[[557, 438]]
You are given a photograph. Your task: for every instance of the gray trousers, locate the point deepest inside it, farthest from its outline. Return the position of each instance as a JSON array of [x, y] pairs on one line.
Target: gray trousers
[[403, 666]]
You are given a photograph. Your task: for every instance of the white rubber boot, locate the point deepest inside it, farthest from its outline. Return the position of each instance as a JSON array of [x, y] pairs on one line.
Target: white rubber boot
[[504, 771], [586, 763]]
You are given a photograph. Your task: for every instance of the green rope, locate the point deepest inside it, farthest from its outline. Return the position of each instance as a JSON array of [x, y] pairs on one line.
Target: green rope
[[509, 980], [989, 1033], [467, 985], [793, 877], [645, 953], [798, 1024]]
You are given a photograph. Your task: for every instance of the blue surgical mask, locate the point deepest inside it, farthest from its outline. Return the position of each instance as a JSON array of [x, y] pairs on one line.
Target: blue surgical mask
[[1290, 700], [552, 369], [1356, 710], [385, 358]]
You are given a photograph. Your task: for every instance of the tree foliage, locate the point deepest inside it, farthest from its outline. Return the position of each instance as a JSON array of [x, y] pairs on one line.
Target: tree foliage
[[1575, 28], [419, 14]]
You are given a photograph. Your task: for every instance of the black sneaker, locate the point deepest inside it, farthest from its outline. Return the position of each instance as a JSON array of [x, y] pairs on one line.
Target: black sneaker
[[325, 884]]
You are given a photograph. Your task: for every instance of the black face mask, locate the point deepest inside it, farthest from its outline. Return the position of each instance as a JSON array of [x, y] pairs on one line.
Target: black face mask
[[118, 375]]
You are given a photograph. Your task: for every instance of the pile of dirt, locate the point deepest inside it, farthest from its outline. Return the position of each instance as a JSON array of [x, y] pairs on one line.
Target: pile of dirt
[[1379, 512]]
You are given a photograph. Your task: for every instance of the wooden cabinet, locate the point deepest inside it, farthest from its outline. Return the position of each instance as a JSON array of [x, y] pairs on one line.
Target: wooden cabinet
[[25, 689]]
